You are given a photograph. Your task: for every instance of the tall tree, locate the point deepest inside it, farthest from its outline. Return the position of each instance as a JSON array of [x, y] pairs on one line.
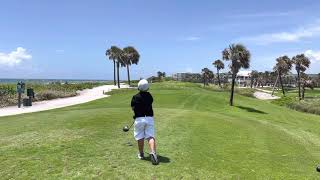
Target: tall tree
[[210, 76], [239, 56], [117, 55], [219, 65], [261, 79], [164, 74], [302, 63], [205, 75], [161, 75], [111, 53], [306, 81], [253, 76], [130, 56], [267, 77], [282, 67]]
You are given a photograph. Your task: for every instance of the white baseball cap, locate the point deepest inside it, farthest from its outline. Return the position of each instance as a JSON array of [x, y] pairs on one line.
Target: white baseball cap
[[143, 85]]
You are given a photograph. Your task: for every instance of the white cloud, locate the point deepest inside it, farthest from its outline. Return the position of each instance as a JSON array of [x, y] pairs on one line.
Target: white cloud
[[15, 57], [292, 36], [191, 38], [313, 55]]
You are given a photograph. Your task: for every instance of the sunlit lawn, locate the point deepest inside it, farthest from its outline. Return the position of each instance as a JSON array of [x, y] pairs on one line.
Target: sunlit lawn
[[198, 136]]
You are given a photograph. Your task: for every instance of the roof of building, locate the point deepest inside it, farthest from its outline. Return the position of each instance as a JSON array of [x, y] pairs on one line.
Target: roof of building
[[244, 73]]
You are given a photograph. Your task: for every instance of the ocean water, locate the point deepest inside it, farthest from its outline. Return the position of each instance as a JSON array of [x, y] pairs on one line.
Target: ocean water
[[48, 81]]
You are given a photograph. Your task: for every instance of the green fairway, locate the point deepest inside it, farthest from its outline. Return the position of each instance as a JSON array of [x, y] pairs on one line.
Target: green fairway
[[198, 134]]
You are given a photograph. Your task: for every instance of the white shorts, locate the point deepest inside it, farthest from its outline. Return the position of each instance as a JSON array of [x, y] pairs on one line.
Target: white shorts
[[143, 128]]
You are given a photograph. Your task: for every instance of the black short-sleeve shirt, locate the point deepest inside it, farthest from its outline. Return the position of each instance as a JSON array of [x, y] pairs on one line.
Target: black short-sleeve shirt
[[141, 104]]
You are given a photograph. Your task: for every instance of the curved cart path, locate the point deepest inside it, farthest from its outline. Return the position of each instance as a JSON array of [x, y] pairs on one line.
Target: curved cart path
[[82, 97]]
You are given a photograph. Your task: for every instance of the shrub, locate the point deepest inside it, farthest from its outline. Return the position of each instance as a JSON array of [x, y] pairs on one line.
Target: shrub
[[245, 92], [51, 94], [284, 101], [308, 106]]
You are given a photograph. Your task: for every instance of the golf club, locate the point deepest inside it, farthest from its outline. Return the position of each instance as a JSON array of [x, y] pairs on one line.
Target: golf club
[[126, 128]]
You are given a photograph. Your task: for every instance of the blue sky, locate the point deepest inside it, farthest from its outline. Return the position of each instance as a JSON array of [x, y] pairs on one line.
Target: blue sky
[[68, 39]]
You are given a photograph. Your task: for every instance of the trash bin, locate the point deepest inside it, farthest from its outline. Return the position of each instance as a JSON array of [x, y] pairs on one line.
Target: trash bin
[[27, 102], [30, 92]]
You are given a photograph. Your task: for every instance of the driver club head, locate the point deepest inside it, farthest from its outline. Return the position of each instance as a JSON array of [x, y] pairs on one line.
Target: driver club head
[[125, 129]]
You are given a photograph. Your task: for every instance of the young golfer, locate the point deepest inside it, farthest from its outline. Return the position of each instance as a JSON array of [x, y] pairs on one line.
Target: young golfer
[[141, 104]]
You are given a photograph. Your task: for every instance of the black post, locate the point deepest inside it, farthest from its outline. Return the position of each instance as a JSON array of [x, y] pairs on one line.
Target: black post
[[19, 100]]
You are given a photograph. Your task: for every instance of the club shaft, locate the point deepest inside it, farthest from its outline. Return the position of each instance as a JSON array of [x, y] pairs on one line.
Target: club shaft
[[132, 123]]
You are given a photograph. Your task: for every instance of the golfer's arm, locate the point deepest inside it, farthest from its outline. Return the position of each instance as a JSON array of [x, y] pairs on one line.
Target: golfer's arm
[[133, 102]]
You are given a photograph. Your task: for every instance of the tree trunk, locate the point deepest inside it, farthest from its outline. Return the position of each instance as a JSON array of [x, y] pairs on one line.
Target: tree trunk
[[274, 86], [299, 85], [204, 81], [219, 78], [118, 79], [114, 72], [303, 90], [128, 71], [281, 84], [251, 83], [232, 89]]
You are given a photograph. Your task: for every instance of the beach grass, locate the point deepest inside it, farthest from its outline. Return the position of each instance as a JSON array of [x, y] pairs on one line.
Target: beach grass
[[9, 97]]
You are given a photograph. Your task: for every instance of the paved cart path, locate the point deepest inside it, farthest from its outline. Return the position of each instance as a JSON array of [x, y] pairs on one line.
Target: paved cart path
[[82, 97]]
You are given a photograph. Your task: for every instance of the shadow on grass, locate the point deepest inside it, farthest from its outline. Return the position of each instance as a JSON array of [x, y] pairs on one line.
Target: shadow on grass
[[249, 109], [162, 159]]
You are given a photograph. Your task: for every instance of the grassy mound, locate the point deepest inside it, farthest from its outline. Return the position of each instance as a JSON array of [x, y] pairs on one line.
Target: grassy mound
[[198, 134]]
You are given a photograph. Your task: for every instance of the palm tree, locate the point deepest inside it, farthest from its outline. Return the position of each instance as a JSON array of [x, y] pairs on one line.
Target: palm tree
[[130, 56], [306, 82], [267, 77], [210, 76], [283, 66], [260, 79], [111, 53], [205, 75], [302, 63], [239, 56], [254, 75], [116, 54], [219, 65]]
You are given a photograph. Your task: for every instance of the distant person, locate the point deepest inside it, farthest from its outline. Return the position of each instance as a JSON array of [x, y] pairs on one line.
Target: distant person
[[141, 104]]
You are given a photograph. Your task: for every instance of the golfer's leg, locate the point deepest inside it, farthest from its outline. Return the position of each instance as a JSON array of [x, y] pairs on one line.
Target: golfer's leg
[[139, 134], [141, 145], [150, 134], [152, 144]]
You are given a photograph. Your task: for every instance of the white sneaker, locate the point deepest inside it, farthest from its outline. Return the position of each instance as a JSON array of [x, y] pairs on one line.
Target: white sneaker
[[154, 158], [140, 156]]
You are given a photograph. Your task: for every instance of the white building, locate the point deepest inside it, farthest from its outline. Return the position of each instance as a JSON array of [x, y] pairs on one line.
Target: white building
[[243, 78]]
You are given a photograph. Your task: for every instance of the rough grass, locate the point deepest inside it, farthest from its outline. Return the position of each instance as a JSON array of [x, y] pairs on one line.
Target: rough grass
[[199, 136], [311, 103], [308, 105], [8, 94]]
